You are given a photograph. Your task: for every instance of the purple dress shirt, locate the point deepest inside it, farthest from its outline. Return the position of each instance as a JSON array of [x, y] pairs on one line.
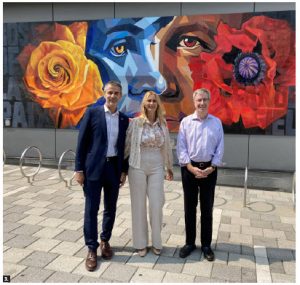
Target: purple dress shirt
[[200, 140]]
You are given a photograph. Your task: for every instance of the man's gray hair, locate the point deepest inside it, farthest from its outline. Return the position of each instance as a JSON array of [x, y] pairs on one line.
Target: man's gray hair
[[201, 91], [114, 83]]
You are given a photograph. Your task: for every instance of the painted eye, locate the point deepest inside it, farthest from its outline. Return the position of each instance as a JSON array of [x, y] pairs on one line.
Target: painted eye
[[189, 42], [118, 50]]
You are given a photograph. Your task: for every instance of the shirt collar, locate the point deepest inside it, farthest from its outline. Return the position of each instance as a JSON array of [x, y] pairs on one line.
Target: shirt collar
[[195, 117], [106, 110]]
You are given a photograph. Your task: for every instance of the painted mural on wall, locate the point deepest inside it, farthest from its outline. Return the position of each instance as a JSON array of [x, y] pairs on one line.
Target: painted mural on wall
[[54, 71]]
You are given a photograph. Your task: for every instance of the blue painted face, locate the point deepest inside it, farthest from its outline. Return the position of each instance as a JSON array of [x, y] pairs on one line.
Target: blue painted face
[[122, 49]]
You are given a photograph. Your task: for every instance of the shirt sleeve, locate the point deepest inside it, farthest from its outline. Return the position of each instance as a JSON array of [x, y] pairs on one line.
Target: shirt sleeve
[[181, 147], [218, 157]]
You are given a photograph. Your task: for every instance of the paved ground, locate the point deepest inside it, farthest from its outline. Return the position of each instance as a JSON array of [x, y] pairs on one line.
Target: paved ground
[[43, 238]]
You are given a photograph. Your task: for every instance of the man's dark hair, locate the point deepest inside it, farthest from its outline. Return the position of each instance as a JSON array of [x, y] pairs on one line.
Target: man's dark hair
[[113, 82]]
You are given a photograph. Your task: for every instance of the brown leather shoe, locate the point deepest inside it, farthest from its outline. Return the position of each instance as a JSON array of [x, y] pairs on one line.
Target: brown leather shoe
[[91, 260], [106, 251]]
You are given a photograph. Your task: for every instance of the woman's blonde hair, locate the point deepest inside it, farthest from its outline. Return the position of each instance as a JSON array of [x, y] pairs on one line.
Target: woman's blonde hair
[[160, 111]]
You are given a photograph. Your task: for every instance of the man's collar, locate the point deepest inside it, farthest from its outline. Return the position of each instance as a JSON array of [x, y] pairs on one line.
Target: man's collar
[[195, 117], [107, 110]]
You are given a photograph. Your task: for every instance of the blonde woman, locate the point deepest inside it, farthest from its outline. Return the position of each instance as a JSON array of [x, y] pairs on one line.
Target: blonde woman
[[149, 151]]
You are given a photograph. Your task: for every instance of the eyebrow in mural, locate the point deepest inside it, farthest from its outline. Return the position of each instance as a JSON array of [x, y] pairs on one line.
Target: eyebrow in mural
[[121, 48]]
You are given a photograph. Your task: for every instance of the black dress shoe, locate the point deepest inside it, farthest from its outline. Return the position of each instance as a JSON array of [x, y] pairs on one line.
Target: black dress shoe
[[186, 250], [208, 253]]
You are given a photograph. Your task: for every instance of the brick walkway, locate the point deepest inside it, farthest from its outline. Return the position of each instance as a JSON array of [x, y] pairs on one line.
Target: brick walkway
[[43, 237]]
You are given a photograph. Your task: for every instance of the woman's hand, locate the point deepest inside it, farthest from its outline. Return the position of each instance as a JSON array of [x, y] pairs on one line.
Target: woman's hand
[[169, 175]]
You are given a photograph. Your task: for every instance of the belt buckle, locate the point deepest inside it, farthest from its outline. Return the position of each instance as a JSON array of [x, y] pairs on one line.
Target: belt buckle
[[107, 159], [201, 164]]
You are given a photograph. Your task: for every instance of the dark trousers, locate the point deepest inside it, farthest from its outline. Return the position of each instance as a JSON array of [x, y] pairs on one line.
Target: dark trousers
[[110, 183], [203, 188]]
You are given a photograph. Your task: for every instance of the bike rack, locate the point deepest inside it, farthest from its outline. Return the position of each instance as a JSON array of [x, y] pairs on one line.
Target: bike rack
[[66, 180], [28, 176]]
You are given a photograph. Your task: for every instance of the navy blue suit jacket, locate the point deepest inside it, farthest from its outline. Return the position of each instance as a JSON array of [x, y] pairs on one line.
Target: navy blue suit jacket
[[92, 144]]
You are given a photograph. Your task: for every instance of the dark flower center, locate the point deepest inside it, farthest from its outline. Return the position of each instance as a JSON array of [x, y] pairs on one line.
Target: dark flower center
[[249, 68]]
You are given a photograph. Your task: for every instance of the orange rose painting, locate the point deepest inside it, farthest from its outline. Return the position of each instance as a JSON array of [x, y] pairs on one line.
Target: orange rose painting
[[59, 76]]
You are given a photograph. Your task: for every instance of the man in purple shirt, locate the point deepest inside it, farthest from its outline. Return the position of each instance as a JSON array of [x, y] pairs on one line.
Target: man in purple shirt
[[200, 148]]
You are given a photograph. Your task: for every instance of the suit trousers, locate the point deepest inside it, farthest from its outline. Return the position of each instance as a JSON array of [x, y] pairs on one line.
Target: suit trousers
[[110, 183], [147, 181], [204, 190]]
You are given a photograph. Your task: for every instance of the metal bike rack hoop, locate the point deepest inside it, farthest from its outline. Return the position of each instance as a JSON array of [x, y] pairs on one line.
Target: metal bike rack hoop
[[22, 161], [67, 181]]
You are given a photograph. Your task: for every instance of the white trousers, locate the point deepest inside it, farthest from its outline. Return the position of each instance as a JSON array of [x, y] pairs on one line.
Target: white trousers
[[147, 181]]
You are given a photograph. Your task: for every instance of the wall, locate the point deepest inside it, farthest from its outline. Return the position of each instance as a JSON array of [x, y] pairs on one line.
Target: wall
[[265, 152]]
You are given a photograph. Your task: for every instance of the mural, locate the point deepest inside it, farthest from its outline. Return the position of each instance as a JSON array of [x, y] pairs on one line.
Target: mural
[[54, 71]]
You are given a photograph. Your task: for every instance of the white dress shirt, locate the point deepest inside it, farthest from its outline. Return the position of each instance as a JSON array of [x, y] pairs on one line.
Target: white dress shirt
[[112, 123]]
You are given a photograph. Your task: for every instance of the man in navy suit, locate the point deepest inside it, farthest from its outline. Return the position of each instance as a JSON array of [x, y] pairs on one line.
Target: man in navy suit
[[100, 164]]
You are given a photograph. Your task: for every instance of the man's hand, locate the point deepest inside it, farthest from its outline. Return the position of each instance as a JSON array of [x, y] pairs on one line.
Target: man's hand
[[79, 177], [122, 179], [199, 173]]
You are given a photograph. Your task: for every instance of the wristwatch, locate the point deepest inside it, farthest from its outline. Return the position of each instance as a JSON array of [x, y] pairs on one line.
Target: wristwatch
[[213, 167]]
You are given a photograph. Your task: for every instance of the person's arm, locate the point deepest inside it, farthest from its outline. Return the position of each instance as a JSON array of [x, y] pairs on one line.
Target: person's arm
[[169, 154], [81, 150], [219, 152], [181, 147]]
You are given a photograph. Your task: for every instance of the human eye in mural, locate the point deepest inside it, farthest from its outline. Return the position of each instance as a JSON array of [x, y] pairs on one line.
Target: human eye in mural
[[240, 58], [122, 50]]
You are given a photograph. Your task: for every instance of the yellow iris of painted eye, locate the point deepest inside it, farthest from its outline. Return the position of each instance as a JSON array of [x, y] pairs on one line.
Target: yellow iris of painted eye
[[119, 49]]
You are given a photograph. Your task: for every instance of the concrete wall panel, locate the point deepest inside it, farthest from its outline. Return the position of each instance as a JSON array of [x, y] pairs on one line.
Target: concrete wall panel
[[16, 140]]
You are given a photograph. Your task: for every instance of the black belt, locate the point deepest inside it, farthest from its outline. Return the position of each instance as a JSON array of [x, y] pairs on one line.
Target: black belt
[[201, 165], [111, 158]]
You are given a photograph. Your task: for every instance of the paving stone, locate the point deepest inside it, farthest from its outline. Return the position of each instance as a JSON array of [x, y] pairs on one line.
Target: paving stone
[[229, 273], [247, 250], [119, 272], [14, 217], [274, 234], [248, 275], [282, 227], [272, 218], [43, 244], [289, 267], [197, 268], [290, 235], [264, 241], [38, 259], [26, 229], [36, 211], [66, 248], [86, 279], [223, 236], [148, 261], [48, 233], [283, 254], [54, 214], [32, 275], [241, 238], [172, 277], [221, 257], [201, 279], [59, 206], [18, 209], [64, 263], [14, 255], [251, 231], [283, 278], [73, 216], [144, 275], [230, 228], [71, 225], [68, 235], [169, 264], [225, 220], [233, 248], [276, 266], [12, 269], [261, 224], [20, 241], [102, 265], [283, 243], [8, 236], [31, 220], [241, 260], [10, 226], [63, 277]]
